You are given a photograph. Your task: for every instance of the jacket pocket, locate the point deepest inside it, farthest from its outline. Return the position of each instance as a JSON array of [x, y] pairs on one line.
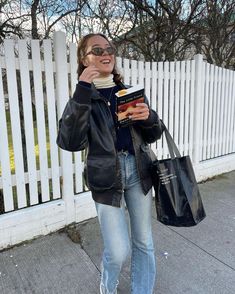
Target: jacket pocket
[[101, 173]]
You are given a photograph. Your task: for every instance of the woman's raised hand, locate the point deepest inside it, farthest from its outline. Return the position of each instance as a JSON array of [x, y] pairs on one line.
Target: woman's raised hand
[[89, 74]]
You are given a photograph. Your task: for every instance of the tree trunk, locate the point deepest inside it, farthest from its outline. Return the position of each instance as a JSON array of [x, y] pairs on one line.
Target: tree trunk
[[34, 8]]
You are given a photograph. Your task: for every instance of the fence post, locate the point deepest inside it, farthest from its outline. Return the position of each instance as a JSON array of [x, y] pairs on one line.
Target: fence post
[[62, 95], [198, 109]]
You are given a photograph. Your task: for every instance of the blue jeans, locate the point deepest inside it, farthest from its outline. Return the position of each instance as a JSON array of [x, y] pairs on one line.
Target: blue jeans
[[114, 229]]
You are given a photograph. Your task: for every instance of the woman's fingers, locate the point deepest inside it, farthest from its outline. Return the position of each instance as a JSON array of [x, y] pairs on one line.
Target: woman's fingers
[[140, 112]]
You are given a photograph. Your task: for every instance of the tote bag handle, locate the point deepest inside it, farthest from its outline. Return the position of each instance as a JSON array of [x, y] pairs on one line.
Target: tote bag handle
[[174, 151]]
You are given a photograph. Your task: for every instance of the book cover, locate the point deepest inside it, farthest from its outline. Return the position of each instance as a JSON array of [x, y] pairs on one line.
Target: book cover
[[126, 102]]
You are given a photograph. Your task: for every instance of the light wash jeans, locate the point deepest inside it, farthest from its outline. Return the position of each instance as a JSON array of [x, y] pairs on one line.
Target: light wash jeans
[[114, 229]]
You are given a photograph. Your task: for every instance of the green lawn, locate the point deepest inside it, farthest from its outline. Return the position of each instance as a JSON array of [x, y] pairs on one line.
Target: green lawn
[[11, 151]]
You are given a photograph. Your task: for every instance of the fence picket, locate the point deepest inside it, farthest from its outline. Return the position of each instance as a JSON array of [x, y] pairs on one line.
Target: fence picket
[[182, 107], [229, 103], [191, 116], [177, 102], [140, 73], [210, 110], [225, 112], [232, 129], [222, 126], [215, 106], [171, 98], [119, 65], [154, 97], [51, 113], [28, 121], [160, 102], [134, 80], [154, 86], [15, 122], [4, 154], [218, 113], [205, 113], [148, 78], [165, 104], [187, 99], [40, 118], [198, 108], [127, 71]]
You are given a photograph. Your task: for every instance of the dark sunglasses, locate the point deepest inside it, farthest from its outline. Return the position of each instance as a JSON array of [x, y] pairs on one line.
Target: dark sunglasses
[[98, 51]]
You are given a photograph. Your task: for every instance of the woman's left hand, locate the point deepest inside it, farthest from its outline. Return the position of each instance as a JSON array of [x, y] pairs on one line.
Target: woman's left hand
[[140, 112]]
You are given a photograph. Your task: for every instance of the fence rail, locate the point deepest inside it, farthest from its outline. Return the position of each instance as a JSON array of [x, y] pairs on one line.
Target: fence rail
[[196, 100]]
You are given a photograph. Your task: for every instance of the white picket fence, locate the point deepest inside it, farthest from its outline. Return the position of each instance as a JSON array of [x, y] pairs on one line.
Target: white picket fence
[[196, 100]]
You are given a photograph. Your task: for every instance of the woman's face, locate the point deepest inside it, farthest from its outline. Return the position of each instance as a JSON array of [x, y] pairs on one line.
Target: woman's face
[[105, 62]]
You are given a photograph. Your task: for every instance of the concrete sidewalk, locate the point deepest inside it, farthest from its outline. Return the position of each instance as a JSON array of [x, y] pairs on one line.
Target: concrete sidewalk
[[197, 260]]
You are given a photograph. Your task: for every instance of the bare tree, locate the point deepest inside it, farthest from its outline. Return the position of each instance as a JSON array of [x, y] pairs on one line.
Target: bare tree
[[11, 21], [46, 15], [160, 29], [112, 18], [214, 32], [36, 18]]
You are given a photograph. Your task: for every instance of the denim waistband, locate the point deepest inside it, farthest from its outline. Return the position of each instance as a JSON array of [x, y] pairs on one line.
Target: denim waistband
[[120, 152], [123, 152]]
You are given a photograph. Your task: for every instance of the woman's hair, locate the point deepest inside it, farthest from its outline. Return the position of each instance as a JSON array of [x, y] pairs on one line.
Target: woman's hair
[[81, 51]]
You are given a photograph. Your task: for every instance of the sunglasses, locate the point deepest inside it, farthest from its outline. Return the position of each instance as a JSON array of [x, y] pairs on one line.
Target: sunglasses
[[98, 51]]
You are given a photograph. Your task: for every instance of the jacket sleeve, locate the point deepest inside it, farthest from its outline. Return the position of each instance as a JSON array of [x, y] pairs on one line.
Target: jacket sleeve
[[151, 128], [74, 123]]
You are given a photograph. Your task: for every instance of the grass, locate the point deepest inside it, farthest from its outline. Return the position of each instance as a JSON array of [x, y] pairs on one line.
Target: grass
[[36, 148]]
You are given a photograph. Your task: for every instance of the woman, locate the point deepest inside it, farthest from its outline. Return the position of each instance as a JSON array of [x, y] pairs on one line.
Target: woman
[[117, 165]]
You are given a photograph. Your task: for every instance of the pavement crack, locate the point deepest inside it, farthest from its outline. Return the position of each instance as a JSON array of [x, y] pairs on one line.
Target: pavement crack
[[196, 245], [90, 257]]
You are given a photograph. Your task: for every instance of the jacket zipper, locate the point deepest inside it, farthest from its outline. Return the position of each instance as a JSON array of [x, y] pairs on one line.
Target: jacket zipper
[[114, 138], [113, 132]]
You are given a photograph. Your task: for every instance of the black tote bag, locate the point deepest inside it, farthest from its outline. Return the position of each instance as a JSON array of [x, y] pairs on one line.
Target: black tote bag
[[177, 197]]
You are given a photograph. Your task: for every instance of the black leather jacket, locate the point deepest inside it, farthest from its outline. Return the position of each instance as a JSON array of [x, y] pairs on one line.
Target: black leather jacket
[[87, 123]]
